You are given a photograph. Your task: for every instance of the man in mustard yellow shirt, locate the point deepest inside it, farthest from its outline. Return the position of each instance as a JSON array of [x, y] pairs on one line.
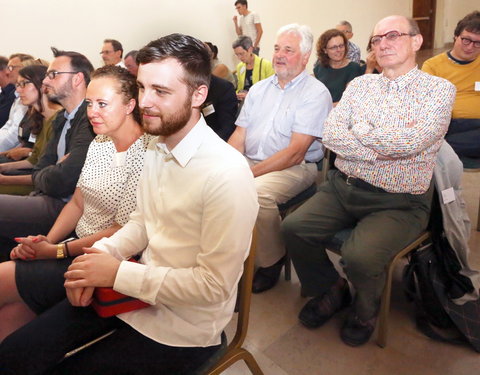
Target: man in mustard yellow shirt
[[461, 66]]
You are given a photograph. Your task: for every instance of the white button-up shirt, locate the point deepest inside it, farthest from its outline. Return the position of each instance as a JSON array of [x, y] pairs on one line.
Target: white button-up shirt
[[196, 207], [9, 131]]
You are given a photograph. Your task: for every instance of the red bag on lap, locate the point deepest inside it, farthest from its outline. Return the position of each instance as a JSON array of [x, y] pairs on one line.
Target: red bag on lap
[[107, 302]]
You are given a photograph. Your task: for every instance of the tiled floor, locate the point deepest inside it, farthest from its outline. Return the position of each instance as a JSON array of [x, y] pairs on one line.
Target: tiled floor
[[283, 346]]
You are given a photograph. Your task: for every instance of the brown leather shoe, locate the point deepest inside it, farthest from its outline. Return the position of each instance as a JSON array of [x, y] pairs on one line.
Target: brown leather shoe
[[266, 278], [318, 310], [356, 332]]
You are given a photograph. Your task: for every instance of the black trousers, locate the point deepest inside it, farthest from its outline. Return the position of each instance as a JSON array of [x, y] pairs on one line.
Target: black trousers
[[38, 347], [464, 137]]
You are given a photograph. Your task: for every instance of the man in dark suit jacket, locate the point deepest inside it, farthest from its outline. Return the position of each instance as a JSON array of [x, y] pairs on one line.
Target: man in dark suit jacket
[[7, 94], [56, 173], [220, 107]]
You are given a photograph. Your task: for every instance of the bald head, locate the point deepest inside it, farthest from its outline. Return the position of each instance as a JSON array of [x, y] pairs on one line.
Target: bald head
[[396, 39]]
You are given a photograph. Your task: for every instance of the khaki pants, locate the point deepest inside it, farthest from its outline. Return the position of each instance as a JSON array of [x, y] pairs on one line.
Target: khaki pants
[[275, 188]]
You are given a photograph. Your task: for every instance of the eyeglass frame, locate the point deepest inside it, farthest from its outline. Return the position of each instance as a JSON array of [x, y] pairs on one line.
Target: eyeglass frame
[[336, 47], [52, 74], [378, 38], [11, 68], [476, 43], [22, 84]]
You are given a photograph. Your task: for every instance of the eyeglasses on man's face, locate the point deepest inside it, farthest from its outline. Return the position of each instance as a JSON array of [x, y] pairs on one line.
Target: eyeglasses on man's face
[[467, 41], [390, 36], [53, 73], [13, 67]]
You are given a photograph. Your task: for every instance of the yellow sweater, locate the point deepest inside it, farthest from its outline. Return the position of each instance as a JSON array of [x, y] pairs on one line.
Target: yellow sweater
[[464, 77]]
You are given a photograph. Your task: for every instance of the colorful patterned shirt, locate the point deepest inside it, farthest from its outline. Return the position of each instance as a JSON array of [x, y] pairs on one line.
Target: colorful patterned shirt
[[404, 119]]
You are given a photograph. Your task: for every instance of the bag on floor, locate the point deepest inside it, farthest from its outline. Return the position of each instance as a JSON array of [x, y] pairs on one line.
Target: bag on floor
[[427, 282]]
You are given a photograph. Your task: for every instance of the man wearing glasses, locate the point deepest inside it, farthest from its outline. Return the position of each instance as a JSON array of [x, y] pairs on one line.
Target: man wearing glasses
[[16, 112], [386, 131], [461, 66], [112, 52], [56, 173], [353, 50]]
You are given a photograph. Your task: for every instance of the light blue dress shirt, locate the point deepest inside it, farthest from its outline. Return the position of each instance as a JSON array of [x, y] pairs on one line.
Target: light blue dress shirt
[[270, 115]]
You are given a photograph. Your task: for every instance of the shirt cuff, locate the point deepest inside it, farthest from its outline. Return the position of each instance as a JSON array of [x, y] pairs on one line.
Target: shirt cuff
[[129, 279]]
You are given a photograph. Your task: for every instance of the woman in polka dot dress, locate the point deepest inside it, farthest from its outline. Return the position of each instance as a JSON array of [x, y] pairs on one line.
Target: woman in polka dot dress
[[103, 200]]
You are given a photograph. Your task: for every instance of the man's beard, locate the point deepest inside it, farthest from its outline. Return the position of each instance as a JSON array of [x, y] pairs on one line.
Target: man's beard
[[169, 123], [60, 94]]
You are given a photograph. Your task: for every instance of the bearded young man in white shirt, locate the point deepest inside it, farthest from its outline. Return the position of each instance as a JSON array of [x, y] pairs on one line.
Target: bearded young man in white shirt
[[196, 207]]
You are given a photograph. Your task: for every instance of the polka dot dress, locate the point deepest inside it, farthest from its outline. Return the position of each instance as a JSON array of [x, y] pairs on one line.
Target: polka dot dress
[[109, 183]]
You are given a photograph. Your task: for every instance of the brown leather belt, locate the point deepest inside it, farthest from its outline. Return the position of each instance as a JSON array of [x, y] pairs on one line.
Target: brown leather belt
[[359, 183]]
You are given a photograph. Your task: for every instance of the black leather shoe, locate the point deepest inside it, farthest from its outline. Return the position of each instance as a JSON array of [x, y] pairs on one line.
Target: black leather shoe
[[356, 332], [319, 309], [266, 278]]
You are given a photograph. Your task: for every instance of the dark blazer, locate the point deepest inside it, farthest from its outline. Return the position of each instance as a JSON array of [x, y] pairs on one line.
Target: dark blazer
[[60, 180], [221, 95], [7, 97]]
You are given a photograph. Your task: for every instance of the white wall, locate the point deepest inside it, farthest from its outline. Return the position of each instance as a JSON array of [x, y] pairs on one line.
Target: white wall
[[33, 26], [454, 11]]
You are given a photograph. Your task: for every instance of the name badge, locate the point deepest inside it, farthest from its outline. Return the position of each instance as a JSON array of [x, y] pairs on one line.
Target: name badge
[[20, 131], [208, 110], [477, 86], [32, 138], [448, 195]]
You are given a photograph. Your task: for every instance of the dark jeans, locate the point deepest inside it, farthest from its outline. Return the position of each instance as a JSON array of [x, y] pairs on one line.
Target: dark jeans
[[38, 347], [383, 223], [464, 137]]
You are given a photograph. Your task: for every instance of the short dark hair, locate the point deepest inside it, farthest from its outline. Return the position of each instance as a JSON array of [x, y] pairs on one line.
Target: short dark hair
[[78, 62], [471, 23], [22, 56], [322, 44], [213, 49], [242, 2], [3, 62], [117, 46], [35, 74], [190, 52], [133, 54], [243, 41], [127, 83]]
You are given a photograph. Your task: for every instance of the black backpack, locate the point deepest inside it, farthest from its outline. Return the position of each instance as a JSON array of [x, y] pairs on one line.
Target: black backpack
[[432, 280]]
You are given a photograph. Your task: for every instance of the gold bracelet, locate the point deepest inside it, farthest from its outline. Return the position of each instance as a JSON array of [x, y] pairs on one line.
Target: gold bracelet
[[60, 251]]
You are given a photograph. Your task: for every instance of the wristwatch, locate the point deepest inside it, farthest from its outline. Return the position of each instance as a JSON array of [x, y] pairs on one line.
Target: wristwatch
[[60, 251]]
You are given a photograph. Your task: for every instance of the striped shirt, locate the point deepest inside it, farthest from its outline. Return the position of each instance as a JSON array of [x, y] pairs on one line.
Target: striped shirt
[[403, 119]]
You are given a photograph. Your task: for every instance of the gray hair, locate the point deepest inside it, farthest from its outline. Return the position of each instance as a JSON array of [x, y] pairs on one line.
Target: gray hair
[[243, 41], [303, 31], [346, 23]]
